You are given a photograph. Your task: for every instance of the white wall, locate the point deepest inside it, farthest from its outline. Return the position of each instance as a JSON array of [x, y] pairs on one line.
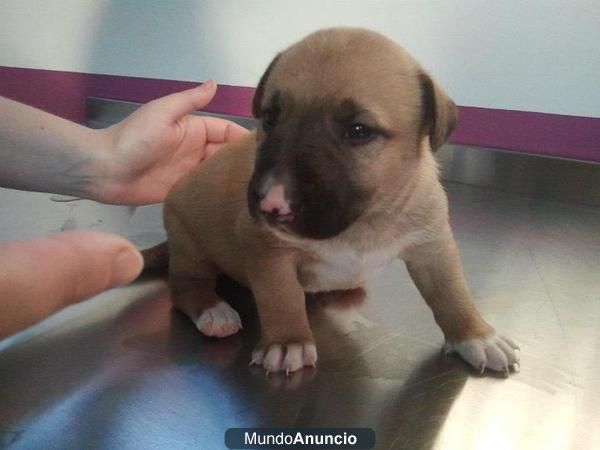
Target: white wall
[[531, 55]]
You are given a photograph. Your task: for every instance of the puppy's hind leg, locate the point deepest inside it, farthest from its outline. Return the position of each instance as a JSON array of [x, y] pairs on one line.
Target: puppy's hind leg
[[196, 298], [192, 283]]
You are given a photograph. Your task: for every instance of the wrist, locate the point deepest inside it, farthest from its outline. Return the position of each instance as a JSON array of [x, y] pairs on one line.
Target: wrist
[[101, 186]]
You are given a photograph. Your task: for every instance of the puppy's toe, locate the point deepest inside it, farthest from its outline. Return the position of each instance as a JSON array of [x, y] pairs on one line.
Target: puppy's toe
[[258, 356], [220, 320], [495, 353], [309, 355], [293, 359], [273, 361], [285, 358]]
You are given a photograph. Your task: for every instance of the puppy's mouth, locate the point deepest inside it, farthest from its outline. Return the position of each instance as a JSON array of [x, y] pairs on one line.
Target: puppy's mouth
[[273, 218]]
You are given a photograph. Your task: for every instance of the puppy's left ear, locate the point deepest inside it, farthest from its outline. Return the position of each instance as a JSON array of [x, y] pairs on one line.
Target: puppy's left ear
[[260, 89], [439, 113]]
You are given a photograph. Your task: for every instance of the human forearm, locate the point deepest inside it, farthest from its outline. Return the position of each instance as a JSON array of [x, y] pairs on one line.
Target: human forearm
[[133, 162], [42, 152]]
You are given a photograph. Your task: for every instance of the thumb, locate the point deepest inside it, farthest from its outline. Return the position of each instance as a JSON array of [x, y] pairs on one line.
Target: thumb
[[185, 102], [39, 277]]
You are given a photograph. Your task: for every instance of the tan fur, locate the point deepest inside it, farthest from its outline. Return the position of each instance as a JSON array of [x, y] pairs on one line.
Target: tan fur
[[210, 229]]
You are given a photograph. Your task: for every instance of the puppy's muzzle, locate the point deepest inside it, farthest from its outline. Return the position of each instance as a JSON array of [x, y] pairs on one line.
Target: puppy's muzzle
[[274, 204]]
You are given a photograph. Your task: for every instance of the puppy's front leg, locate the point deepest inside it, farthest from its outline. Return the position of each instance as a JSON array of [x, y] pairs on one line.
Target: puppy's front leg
[[286, 342], [436, 269]]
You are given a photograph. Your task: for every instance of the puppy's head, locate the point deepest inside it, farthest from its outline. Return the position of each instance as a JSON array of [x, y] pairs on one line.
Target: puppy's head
[[344, 117]]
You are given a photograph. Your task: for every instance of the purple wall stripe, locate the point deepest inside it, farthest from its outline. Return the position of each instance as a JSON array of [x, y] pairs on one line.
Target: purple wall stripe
[[64, 94], [531, 132]]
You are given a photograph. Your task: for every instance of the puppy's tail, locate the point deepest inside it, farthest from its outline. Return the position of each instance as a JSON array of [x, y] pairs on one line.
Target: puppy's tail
[[156, 258]]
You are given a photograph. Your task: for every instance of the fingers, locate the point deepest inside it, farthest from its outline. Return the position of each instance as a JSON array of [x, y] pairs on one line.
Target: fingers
[[221, 131], [217, 132], [39, 277], [185, 102]]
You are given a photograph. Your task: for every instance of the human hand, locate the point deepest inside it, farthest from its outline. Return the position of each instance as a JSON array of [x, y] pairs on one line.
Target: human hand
[[159, 143], [33, 285]]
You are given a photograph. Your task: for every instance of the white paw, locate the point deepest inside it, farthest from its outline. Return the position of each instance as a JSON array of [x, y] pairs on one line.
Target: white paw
[[219, 321], [285, 358], [496, 353]]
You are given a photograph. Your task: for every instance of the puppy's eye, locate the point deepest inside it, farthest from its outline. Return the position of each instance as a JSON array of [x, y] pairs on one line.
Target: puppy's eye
[[358, 133], [269, 119]]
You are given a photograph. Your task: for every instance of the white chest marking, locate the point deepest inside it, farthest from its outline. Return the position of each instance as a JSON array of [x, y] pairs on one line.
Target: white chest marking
[[343, 267]]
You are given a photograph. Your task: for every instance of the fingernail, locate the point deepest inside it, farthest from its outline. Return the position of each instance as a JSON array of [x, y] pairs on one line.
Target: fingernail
[[127, 266], [207, 85]]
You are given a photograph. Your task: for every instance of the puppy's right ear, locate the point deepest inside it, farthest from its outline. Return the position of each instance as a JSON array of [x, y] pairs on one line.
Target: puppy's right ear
[[260, 89]]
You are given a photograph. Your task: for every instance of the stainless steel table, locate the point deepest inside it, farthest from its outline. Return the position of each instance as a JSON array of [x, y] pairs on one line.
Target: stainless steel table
[[124, 371]]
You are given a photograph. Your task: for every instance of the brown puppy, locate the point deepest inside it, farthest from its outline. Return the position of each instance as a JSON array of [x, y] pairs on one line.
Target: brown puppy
[[338, 180]]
